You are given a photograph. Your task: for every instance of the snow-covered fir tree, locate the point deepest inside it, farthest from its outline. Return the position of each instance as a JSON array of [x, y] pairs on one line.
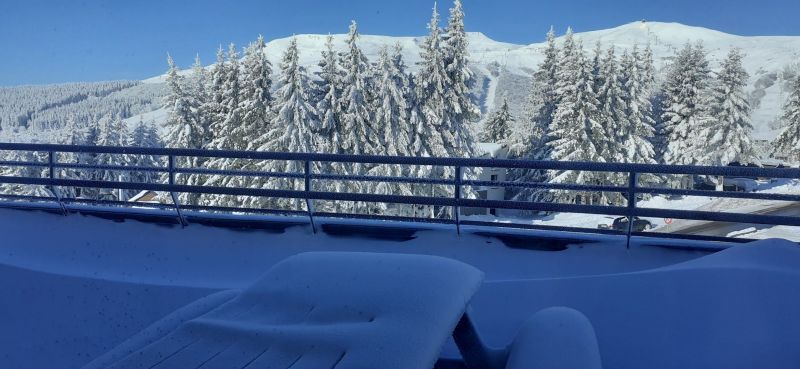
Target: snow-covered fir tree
[[497, 127], [227, 126], [729, 137], [433, 136], [22, 171], [358, 135], [291, 129], [214, 106], [391, 122], [613, 108], [431, 83], [532, 132], [200, 98], [788, 142], [112, 132], [256, 90], [229, 132], [636, 135], [461, 110], [577, 133], [145, 135], [328, 95], [184, 130], [686, 107]]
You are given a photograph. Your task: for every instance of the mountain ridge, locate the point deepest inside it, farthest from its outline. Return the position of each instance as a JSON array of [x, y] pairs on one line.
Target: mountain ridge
[[503, 68]]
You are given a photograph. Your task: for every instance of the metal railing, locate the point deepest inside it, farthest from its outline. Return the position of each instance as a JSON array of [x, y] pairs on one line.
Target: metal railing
[[308, 194]]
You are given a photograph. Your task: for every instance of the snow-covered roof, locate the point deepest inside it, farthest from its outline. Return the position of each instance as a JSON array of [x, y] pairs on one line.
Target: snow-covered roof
[[491, 150]]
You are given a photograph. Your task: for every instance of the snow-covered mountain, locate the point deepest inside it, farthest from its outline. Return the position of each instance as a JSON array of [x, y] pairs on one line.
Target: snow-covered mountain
[[504, 68]]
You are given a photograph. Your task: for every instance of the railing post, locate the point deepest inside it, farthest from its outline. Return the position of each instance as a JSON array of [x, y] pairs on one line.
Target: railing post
[[632, 180], [456, 208], [175, 201], [307, 189], [51, 165]]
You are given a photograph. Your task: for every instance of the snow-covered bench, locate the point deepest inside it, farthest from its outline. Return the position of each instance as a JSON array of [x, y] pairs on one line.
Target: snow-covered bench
[[348, 310]]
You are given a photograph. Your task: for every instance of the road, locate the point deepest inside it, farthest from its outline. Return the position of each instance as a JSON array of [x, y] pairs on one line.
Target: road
[[710, 228]]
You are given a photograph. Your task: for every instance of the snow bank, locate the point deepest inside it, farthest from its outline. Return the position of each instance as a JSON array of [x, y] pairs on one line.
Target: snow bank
[[555, 338], [732, 309]]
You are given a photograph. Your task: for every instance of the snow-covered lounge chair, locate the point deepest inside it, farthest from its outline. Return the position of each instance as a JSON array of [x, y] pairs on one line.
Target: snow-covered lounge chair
[[329, 310]]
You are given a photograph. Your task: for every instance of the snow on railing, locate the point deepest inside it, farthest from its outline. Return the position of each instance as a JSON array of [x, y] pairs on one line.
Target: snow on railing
[[308, 195]]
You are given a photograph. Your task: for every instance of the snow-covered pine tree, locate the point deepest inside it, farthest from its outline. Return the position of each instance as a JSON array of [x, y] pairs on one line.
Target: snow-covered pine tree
[[597, 65], [145, 135], [256, 109], [461, 110], [686, 109], [497, 127], [358, 135], [577, 133], [113, 132], [788, 142], [431, 83], [200, 98], [638, 80], [229, 133], [432, 93], [729, 137], [543, 99], [230, 115], [532, 132], [613, 109], [328, 93], [391, 123], [636, 134], [635, 137], [184, 130], [73, 134], [21, 171], [291, 129], [214, 106]]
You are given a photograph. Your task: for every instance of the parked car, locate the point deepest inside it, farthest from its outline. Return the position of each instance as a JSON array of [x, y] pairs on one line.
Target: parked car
[[621, 224]]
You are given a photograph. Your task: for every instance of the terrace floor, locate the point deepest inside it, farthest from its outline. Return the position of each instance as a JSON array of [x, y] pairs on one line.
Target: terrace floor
[[76, 286]]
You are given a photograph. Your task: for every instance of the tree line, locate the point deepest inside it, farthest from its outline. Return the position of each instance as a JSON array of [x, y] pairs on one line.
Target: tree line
[[351, 106]]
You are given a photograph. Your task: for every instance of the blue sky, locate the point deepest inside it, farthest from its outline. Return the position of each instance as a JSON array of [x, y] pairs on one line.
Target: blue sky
[[51, 41]]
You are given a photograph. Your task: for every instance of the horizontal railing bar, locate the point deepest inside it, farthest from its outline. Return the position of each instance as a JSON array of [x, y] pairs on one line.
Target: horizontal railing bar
[[116, 202], [27, 198], [117, 168], [425, 161], [543, 227], [726, 194], [551, 186], [7, 163], [232, 172], [345, 177]]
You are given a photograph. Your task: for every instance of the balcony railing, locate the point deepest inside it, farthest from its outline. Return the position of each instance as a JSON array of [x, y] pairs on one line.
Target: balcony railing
[[47, 155]]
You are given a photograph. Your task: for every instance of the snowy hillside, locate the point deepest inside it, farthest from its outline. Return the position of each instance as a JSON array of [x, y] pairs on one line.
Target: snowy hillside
[[504, 68]]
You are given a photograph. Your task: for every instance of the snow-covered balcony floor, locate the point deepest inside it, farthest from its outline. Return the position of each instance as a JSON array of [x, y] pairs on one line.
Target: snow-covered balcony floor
[[75, 286]]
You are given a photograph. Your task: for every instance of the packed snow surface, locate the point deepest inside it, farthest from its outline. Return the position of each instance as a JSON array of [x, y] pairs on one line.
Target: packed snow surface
[[85, 285]]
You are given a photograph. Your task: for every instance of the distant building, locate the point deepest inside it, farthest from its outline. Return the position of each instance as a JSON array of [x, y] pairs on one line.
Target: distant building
[[147, 197], [489, 151]]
